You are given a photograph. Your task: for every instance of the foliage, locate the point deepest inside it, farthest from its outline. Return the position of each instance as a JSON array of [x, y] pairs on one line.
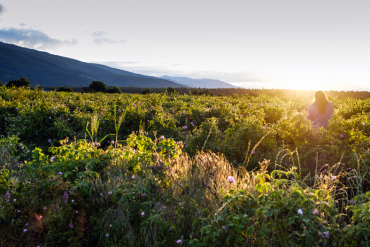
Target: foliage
[[64, 89], [21, 82], [98, 86], [141, 170]]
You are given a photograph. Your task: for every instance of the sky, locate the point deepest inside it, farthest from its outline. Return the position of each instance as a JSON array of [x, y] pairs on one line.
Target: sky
[[297, 44]]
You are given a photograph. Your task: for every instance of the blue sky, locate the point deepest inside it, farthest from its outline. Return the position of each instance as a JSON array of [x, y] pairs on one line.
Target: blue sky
[[317, 44]]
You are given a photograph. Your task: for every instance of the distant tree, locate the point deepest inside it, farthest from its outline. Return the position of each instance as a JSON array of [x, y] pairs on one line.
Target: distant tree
[[0, 84], [146, 91], [21, 82], [194, 91], [114, 90], [159, 91], [207, 92], [64, 89], [98, 86], [221, 94], [170, 90]]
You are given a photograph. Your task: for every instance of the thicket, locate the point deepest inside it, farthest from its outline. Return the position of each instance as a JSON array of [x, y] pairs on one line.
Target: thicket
[[164, 169]]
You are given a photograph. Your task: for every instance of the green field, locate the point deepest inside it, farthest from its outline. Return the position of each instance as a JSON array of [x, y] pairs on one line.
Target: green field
[[181, 170]]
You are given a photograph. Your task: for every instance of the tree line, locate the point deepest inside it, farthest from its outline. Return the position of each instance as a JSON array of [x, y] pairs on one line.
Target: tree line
[[99, 86]]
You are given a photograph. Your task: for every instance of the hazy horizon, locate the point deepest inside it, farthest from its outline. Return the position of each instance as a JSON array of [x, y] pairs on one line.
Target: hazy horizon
[[315, 45]]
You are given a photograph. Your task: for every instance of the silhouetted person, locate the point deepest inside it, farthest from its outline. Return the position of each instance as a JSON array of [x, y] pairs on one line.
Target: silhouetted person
[[320, 111]]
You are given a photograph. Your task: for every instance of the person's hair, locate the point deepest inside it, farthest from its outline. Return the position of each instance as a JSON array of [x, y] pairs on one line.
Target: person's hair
[[321, 101]]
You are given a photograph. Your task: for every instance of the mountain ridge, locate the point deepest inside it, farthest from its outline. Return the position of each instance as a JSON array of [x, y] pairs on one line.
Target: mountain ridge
[[45, 69], [196, 83]]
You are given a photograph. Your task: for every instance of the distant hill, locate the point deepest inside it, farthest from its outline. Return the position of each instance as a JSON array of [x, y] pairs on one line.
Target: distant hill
[[202, 83], [44, 69]]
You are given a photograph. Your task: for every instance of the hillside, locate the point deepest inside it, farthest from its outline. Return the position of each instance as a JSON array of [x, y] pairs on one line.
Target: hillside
[[44, 69], [196, 83]]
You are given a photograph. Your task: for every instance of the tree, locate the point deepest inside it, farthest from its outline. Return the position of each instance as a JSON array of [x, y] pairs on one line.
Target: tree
[[0, 84], [64, 89], [114, 90], [170, 90], [21, 82], [98, 86], [146, 91], [194, 92]]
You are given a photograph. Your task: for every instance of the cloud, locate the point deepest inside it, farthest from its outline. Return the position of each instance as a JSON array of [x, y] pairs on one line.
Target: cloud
[[33, 39], [97, 34], [22, 24], [2, 9], [101, 40], [175, 70]]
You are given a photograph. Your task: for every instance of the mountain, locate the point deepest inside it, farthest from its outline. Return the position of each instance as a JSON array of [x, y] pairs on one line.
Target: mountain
[[202, 83], [44, 69]]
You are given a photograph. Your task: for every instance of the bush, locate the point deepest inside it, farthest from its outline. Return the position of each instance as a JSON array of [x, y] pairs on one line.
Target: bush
[[21, 82], [98, 86], [114, 90], [64, 89]]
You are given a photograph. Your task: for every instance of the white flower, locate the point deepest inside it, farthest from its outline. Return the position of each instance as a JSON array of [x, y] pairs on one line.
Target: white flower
[[300, 211]]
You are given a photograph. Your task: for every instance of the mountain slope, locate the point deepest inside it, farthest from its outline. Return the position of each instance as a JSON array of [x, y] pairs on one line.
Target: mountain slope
[[202, 83], [44, 69]]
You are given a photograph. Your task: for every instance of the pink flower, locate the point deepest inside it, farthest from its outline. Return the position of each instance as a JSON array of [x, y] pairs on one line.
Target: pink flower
[[231, 179], [326, 234], [110, 193], [143, 214], [341, 135], [71, 225], [223, 227], [315, 211], [133, 177], [144, 194], [7, 194], [65, 196], [253, 152], [178, 241]]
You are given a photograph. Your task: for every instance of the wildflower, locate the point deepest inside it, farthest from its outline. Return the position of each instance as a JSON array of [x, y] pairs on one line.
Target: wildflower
[[170, 229], [110, 193], [110, 225], [253, 152], [73, 201], [341, 135], [133, 177], [363, 123], [192, 123], [119, 110], [223, 227], [162, 137], [101, 194], [71, 225], [184, 127], [24, 230], [7, 195], [44, 208], [178, 241], [315, 211], [320, 233], [112, 142], [143, 214], [40, 217], [107, 235], [300, 211], [326, 234], [144, 194], [60, 173], [52, 159], [231, 179], [333, 178], [352, 201], [65, 195], [15, 200]]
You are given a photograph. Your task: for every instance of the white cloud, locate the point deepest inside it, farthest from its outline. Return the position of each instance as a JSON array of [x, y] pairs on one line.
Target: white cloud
[[101, 40], [31, 38], [22, 24], [175, 70]]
